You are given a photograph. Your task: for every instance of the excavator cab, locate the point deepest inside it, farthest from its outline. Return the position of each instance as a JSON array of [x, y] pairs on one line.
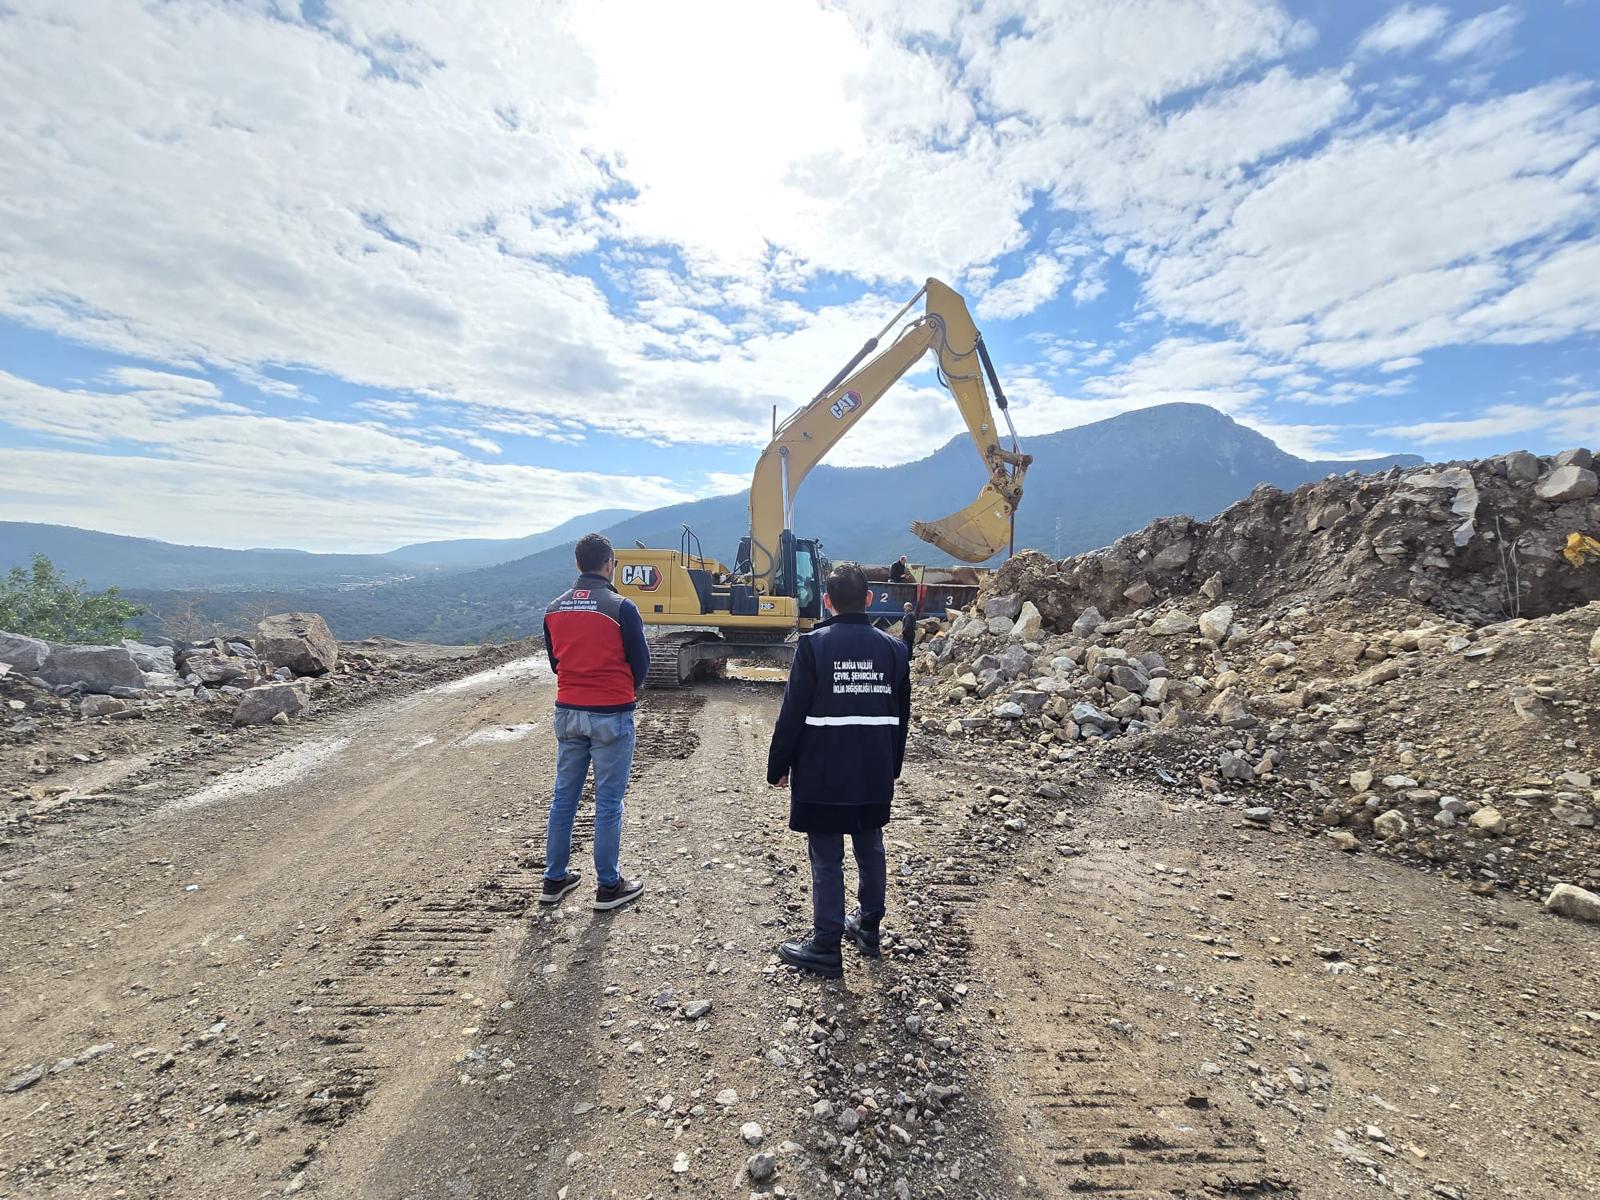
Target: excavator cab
[[798, 573]]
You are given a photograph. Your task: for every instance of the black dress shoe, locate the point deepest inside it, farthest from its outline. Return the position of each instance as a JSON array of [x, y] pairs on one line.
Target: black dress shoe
[[817, 957], [554, 889], [864, 934]]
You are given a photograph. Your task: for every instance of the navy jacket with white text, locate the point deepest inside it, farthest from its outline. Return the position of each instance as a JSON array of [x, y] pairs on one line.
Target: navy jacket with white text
[[841, 734]]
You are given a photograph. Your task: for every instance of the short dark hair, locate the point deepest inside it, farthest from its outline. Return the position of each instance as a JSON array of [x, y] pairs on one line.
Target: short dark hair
[[847, 588], [593, 552]]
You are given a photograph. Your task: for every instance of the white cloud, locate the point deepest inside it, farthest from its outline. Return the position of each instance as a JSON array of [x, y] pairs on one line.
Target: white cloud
[[1382, 244], [1406, 28], [141, 461], [399, 410], [1496, 421], [725, 483], [1558, 296], [163, 381], [1479, 33], [1021, 294], [1091, 284], [1563, 421], [1078, 60]]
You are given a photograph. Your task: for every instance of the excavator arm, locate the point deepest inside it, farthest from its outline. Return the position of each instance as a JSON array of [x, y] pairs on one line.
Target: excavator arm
[[974, 533]]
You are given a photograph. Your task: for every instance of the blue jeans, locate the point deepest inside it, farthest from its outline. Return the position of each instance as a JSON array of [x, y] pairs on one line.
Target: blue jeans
[[605, 739]]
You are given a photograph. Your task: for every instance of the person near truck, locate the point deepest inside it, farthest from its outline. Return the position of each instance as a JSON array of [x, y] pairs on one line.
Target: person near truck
[[596, 643], [900, 572], [838, 746]]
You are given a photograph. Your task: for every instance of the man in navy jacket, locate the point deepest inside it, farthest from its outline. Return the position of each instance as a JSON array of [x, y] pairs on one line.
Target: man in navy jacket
[[838, 746]]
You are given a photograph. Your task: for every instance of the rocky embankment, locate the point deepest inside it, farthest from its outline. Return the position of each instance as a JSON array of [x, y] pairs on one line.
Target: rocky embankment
[[263, 676], [1404, 664]]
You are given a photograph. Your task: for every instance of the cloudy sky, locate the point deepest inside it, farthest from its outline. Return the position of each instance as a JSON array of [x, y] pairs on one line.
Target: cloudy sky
[[341, 274]]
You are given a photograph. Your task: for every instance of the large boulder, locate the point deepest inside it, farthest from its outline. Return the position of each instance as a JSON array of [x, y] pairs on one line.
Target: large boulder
[[1577, 457], [260, 704], [1088, 621], [24, 654], [1575, 902], [100, 706], [1522, 467], [208, 666], [151, 658], [1174, 623], [300, 641], [1029, 625], [1215, 623], [95, 668], [1568, 483], [1003, 606]]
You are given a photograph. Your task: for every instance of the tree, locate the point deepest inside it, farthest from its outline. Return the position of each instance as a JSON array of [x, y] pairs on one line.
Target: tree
[[188, 622], [41, 603]]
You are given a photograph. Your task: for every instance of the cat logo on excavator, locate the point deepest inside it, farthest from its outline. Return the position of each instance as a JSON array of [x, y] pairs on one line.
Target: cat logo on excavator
[[641, 575], [845, 405]]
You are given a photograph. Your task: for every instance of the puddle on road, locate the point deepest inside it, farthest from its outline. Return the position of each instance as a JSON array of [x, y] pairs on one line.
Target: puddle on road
[[282, 768], [533, 668], [502, 733]]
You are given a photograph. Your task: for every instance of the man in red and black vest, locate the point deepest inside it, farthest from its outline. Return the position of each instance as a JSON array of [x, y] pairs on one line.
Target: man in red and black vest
[[595, 640]]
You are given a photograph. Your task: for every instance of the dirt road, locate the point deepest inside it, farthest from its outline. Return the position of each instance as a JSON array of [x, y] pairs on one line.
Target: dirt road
[[326, 974]]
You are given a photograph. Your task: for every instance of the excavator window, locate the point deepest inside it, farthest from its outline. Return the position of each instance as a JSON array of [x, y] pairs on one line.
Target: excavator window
[[806, 594]]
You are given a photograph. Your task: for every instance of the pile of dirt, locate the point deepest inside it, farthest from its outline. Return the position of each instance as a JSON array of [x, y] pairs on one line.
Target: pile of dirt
[[1478, 541], [1339, 659]]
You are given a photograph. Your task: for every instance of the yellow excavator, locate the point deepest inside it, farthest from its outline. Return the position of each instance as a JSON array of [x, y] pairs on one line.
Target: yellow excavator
[[773, 591]]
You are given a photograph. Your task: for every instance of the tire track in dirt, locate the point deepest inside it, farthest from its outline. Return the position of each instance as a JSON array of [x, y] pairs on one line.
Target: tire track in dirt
[[413, 1145], [425, 955], [1100, 1118]]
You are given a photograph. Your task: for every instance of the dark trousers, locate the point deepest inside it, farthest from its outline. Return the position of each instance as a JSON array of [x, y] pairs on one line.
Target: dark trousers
[[826, 851]]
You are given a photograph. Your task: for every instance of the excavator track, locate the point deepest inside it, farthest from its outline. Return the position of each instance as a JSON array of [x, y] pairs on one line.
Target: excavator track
[[664, 670]]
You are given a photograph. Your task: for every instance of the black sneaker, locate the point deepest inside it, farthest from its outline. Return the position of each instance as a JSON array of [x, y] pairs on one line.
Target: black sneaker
[[864, 934], [555, 889], [624, 891], [816, 957]]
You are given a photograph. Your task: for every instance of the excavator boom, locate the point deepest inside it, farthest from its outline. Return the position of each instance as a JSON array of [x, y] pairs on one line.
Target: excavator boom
[[972, 534]]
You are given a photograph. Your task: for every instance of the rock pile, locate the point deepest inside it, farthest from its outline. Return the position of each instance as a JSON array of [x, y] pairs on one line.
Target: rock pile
[[1332, 657], [257, 674], [1478, 541]]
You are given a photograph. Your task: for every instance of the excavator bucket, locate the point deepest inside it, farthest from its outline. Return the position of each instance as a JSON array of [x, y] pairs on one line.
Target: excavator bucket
[[976, 533]]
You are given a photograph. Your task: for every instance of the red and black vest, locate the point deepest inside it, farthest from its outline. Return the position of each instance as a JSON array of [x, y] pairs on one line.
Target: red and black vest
[[595, 640]]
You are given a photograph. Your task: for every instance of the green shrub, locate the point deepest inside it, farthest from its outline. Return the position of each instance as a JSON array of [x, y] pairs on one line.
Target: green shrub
[[40, 603]]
